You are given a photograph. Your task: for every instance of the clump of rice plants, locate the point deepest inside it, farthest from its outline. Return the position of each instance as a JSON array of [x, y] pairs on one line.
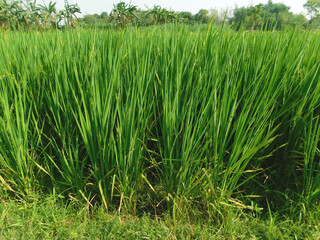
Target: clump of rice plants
[[170, 118]]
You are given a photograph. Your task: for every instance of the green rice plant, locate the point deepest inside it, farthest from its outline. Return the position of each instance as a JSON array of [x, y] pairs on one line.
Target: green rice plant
[[241, 110], [168, 118], [180, 127], [311, 164], [296, 104], [18, 146], [98, 117]]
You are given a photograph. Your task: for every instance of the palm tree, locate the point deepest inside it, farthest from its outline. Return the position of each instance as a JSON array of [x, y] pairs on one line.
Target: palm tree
[[123, 14]]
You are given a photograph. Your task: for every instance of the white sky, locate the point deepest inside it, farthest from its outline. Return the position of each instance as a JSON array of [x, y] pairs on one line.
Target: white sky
[[98, 6]]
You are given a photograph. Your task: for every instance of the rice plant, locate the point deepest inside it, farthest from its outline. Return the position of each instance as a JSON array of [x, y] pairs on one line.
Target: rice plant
[[169, 117]]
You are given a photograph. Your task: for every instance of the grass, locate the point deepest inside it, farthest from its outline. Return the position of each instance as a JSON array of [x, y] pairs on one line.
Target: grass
[[170, 120], [50, 218]]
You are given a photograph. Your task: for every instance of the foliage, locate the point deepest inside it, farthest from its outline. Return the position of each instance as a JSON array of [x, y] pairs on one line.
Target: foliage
[[69, 13], [168, 118], [161, 15], [313, 8], [50, 218], [202, 16], [123, 14], [277, 15], [126, 14], [90, 19], [268, 16], [29, 14]]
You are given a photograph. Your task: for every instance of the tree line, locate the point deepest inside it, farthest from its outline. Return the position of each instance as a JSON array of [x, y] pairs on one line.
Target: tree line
[[275, 16], [29, 14], [262, 16], [124, 14]]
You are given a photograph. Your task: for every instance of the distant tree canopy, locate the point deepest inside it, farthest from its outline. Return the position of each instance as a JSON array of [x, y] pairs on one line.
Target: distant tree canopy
[[313, 9], [27, 14], [202, 16], [267, 16], [262, 16], [16, 14], [126, 14]]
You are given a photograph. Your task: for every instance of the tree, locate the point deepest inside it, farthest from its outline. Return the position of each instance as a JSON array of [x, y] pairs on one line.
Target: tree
[[268, 16], [12, 14], [202, 16], [48, 14], [161, 15], [248, 17], [33, 13], [276, 15], [69, 13], [104, 15], [90, 19], [313, 8], [123, 14], [253, 20], [299, 19], [186, 17], [27, 13]]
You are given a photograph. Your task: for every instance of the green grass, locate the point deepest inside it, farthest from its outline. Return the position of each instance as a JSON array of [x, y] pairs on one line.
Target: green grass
[[50, 218], [170, 120]]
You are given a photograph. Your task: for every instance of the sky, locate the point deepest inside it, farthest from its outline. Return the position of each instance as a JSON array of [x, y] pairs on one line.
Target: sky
[[98, 6]]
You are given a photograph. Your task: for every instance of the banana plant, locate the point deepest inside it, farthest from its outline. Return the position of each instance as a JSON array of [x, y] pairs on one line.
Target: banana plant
[[69, 14], [28, 13], [3, 14], [33, 13], [48, 14], [7, 12], [16, 14], [161, 15], [184, 17], [123, 14]]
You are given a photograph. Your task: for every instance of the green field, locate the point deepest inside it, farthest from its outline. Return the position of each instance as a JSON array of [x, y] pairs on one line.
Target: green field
[[173, 121]]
